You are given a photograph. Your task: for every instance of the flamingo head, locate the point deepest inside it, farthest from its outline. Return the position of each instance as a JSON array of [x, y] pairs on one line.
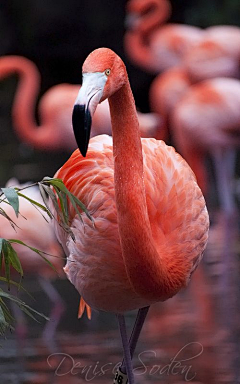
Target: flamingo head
[[103, 74]]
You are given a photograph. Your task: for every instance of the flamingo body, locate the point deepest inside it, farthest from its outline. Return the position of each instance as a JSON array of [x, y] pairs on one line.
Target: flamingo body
[[206, 120], [167, 89], [95, 260], [216, 55], [208, 115], [171, 42]]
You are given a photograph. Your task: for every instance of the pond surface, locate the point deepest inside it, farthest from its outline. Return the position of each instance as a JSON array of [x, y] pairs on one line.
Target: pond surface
[[193, 337]]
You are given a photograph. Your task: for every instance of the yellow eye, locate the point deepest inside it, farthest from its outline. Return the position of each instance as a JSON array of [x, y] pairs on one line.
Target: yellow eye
[[107, 72]]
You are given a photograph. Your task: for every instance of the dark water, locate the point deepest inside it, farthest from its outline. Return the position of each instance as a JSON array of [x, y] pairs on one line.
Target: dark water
[[194, 337]]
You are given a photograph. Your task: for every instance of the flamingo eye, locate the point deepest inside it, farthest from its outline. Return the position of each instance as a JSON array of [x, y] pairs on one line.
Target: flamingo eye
[[107, 72]]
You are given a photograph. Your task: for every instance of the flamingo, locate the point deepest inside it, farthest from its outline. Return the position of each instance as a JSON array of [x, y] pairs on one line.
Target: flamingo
[[150, 218], [55, 109], [36, 232], [206, 121], [211, 58], [216, 55], [165, 92], [151, 45]]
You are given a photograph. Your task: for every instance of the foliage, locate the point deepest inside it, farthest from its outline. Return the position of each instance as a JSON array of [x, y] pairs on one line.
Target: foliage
[[50, 189]]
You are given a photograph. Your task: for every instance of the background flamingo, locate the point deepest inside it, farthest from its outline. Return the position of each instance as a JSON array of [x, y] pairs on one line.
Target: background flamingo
[[216, 55], [165, 92], [150, 44], [35, 231], [55, 109], [206, 123], [207, 120], [209, 59], [135, 253]]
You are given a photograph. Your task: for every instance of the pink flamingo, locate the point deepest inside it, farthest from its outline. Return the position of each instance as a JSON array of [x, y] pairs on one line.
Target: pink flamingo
[[209, 59], [151, 45], [216, 55], [150, 219], [207, 120], [36, 232], [55, 109], [165, 92]]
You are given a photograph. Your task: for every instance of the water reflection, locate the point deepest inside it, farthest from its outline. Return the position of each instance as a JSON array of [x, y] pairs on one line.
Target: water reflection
[[191, 338]]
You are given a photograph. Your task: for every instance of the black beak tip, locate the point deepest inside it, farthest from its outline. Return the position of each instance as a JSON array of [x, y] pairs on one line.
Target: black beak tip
[[81, 121]]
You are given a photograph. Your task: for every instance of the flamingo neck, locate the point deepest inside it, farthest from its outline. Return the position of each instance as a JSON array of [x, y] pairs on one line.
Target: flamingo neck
[[140, 52], [25, 100], [155, 14], [143, 263], [137, 42]]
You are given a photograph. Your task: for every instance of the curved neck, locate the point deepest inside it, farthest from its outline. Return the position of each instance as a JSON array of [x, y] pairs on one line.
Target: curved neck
[[139, 52], [155, 13], [144, 265], [25, 101]]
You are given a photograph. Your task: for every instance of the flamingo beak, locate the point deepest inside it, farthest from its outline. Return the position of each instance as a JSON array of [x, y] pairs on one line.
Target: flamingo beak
[[85, 105], [132, 21]]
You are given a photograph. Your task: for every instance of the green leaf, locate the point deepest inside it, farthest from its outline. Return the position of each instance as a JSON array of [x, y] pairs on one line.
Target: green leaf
[[58, 183], [26, 308], [44, 195], [14, 259], [40, 253], [12, 198], [3, 323], [36, 203], [6, 261], [13, 224], [62, 220], [5, 309], [5, 318], [62, 205], [16, 284], [10, 259]]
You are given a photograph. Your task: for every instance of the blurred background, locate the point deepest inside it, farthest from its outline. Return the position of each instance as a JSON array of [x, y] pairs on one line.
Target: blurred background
[[57, 36]]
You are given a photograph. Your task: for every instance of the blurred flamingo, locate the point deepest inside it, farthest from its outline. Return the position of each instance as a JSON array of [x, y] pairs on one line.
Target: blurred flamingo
[[36, 232], [207, 121], [165, 92], [150, 219], [150, 44], [216, 55], [55, 109]]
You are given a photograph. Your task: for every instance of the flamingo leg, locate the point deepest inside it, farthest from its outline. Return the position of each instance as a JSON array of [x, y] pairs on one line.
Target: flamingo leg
[[141, 316], [225, 167], [224, 163], [57, 310], [126, 351]]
